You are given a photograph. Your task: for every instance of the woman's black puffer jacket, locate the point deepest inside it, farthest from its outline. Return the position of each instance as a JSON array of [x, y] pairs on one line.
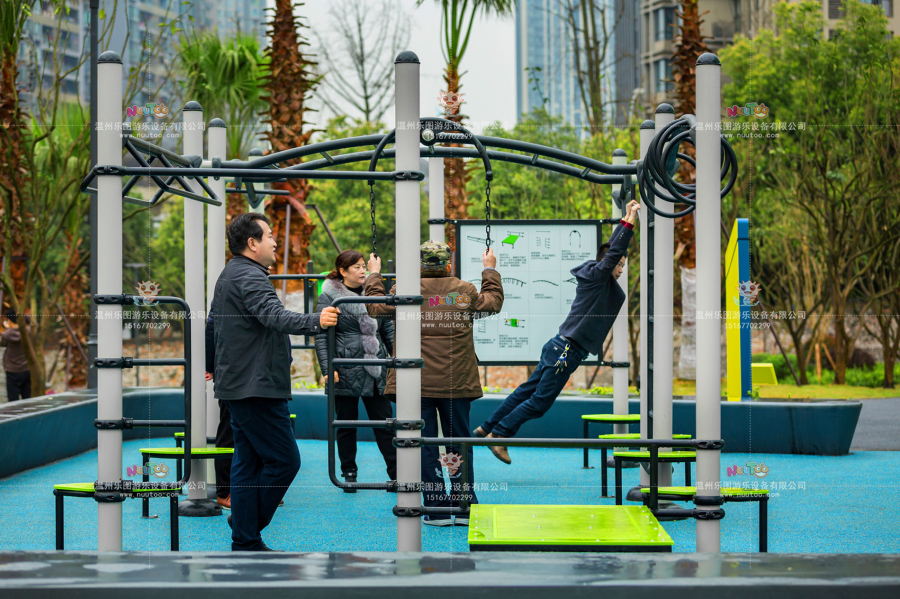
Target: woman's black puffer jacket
[[358, 335]]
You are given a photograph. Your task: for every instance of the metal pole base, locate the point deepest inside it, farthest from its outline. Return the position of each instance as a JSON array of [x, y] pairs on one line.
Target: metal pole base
[[198, 508], [150, 516], [668, 505]]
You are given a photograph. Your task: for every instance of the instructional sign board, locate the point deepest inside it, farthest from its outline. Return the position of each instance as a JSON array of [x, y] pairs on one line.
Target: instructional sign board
[[534, 258]]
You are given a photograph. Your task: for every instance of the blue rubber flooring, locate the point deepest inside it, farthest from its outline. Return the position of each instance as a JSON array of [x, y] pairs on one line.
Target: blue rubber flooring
[[819, 504]]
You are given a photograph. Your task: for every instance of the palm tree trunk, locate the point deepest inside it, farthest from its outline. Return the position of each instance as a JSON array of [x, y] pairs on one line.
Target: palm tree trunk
[[290, 81], [456, 174]]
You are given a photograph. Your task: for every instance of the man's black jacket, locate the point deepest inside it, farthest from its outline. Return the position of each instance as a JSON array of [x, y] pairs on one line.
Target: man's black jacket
[[253, 351]]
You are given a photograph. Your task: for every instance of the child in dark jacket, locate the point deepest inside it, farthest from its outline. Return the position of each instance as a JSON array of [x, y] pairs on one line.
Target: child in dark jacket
[[598, 299]]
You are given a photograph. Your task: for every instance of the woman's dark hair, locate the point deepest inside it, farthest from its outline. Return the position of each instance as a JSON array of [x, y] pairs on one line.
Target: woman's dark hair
[[601, 252], [242, 228], [345, 260]]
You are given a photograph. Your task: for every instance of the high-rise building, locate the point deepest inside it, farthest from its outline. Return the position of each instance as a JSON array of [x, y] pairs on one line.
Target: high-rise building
[[129, 27], [722, 20], [546, 58]]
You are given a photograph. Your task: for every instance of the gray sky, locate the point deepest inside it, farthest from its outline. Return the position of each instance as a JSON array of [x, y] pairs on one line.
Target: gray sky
[[489, 65]]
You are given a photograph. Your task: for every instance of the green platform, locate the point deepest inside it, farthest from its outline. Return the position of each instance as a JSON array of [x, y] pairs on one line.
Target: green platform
[[726, 492], [614, 418], [600, 528], [663, 455], [635, 437], [195, 452]]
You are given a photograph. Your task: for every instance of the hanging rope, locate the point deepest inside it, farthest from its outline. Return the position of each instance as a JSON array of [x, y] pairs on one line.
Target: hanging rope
[[372, 203], [487, 214]]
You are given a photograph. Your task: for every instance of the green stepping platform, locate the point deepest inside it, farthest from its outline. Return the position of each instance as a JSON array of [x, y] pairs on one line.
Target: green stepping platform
[[197, 451], [635, 436], [614, 418], [725, 491], [89, 488], [663, 455], [600, 528]]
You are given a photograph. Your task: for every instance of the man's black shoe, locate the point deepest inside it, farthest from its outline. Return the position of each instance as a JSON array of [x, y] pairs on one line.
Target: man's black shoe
[[350, 478]]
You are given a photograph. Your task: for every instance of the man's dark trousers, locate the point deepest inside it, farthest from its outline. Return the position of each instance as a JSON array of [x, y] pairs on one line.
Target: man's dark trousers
[[18, 385], [454, 415], [224, 438], [533, 398], [266, 460]]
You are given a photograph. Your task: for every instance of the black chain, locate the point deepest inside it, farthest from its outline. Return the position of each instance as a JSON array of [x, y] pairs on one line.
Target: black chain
[[372, 202], [487, 213]]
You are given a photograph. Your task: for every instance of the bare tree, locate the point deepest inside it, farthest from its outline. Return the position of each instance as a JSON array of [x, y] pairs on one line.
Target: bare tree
[[590, 26], [357, 59]]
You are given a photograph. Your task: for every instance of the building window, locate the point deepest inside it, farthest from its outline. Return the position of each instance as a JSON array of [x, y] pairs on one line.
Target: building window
[[663, 75], [664, 19]]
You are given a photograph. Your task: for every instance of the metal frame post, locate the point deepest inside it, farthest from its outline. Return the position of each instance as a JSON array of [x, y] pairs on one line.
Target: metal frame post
[[648, 130], [109, 281], [620, 326], [663, 321], [408, 328], [215, 257], [436, 197], [709, 286], [197, 503]]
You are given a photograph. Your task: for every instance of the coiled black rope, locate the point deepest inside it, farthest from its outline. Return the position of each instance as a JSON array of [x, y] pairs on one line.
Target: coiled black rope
[[653, 174]]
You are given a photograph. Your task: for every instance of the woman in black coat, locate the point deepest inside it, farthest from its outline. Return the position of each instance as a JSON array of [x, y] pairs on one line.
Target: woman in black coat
[[358, 335]]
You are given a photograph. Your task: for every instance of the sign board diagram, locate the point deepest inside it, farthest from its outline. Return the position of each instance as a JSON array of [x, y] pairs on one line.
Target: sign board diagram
[[534, 259]]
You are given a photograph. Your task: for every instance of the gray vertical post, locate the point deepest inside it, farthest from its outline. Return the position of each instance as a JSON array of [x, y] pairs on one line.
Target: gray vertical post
[[648, 130], [663, 327], [197, 503], [436, 197], [109, 282], [215, 252], [620, 326], [92, 336], [408, 327], [709, 287]]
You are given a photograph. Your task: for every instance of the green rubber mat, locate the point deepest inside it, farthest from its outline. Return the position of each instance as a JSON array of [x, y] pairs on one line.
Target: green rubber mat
[[725, 491], [663, 454], [612, 417], [179, 451], [565, 528], [635, 436]]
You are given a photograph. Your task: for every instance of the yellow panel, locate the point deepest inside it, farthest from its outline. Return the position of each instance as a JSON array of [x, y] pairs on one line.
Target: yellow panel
[[764, 374]]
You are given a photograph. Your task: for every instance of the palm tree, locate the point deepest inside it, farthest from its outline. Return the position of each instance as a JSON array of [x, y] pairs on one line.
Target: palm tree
[[689, 46], [13, 137], [457, 18], [226, 78], [289, 82]]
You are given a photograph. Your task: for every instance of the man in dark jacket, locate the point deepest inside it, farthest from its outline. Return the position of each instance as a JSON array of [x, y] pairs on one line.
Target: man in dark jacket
[[18, 374], [450, 380], [252, 373], [598, 299]]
